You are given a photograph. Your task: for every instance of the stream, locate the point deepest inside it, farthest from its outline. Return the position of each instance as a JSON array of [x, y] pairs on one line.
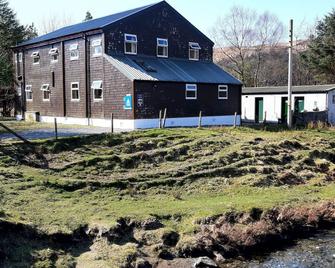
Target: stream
[[315, 252]]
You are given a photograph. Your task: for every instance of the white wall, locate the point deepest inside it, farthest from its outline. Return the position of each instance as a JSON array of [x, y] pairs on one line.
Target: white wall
[[272, 105]]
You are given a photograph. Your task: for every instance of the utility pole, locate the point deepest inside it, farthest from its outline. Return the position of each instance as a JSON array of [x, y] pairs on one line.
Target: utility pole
[[289, 98]]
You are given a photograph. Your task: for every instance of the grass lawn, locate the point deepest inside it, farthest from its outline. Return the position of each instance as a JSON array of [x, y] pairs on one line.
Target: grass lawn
[[179, 176]]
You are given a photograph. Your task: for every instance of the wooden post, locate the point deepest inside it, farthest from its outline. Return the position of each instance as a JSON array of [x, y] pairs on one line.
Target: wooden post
[[264, 121], [200, 119], [235, 119], [160, 119], [112, 123], [164, 117], [56, 129], [15, 134]]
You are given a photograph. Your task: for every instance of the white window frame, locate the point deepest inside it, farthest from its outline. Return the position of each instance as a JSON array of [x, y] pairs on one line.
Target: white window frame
[[223, 88], [97, 84], [54, 52], [75, 89], [20, 57], [35, 55], [29, 89], [133, 42], [191, 88], [97, 43], [74, 47], [193, 46], [46, 88], [165, 46]]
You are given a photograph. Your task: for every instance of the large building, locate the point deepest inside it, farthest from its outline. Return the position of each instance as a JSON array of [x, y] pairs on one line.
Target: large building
[[270, 103], [132, 64]]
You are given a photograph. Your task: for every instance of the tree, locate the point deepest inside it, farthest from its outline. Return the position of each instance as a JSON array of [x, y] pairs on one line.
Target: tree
[[11, 33], [320, 54], [54, 22], [88, 16], [243, 34]]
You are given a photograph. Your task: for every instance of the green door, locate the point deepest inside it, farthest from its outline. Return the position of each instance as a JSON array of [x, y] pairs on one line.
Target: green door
[[259, 110], [284, 109], [299, 104]]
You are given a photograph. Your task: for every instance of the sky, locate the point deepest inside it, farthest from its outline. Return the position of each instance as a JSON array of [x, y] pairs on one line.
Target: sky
[[202, 13]]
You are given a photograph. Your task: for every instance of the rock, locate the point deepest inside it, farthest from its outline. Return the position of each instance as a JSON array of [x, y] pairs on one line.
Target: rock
[[151, 224], [170, 239], [141, 263], [204, 262], [219, 258]]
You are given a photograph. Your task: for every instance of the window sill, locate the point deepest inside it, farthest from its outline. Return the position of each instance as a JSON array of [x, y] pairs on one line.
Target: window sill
[[75, 100], [160, 56], [129, 53], [46, 100], [74, 59], [193, 59], [98, 100], [96, 55]]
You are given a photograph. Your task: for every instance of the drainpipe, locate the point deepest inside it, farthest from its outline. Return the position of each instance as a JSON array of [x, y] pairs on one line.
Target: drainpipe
[[63, 78], [87, 80]]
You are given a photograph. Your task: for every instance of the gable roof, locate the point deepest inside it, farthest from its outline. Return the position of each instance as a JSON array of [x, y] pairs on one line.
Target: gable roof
[[145, 68], [86, 26], [283, 89]]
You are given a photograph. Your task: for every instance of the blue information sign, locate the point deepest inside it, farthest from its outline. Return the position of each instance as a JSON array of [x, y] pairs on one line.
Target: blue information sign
[[127, 102]]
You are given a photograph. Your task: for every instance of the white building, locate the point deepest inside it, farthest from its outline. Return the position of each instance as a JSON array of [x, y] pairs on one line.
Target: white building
[[270, 103]]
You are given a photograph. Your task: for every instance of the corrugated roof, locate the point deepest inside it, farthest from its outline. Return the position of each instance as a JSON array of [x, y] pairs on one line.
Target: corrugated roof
[[85, 26], [171, 70], [283, 89]]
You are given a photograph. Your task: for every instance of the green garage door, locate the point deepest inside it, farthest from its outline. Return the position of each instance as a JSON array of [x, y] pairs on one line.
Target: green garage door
[[299, 104]]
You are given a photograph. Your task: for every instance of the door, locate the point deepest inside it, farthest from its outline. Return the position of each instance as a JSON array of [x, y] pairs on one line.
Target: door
[[299, 104], [259, 110], [284, 109]]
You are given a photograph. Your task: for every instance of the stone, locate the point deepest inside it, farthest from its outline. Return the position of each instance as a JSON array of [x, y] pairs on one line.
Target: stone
[[204, 262], [151, 224], [141, 263]]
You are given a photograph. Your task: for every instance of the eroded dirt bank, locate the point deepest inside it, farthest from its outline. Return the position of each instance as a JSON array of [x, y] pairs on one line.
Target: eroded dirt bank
[[221, 239]]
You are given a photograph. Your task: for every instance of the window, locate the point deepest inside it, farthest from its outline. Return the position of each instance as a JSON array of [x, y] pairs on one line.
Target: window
[[333, 99], [75, 91], [46, 92], [97, 90], [97, 47], [194, 51], [223, 92], [130, 44], [191, 92], [74, 51], [162, 48], [54, 54], [36, 57], [20, 57], [29, 93]]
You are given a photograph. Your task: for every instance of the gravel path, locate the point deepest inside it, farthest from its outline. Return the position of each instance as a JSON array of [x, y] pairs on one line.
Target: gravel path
[[46, 133]]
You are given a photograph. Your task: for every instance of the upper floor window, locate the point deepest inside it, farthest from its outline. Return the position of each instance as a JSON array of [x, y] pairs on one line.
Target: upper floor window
[[130, 44], [97, 47], [74, 51], [162, 48], [54, 54], [36, 57], [97, 90], [223, 92], [194, 51], [191, 92], [29, 93], [46, 92], [75, 91]]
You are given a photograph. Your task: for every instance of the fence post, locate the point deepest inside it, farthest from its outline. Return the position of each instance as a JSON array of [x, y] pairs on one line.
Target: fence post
[[56, 129], [112, 123], [235, 119], [160, 119], [264, 121], [200, 119], [164, 117]]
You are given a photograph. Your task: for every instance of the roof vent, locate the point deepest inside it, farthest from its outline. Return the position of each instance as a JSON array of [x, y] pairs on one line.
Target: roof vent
[[145, 66]]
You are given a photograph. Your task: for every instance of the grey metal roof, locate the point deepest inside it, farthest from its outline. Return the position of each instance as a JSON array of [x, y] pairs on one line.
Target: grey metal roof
[[171, 70], [86, 26], [283, 89]]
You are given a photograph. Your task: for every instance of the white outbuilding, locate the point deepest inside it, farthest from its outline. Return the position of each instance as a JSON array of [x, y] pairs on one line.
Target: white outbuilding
[[270, 103]]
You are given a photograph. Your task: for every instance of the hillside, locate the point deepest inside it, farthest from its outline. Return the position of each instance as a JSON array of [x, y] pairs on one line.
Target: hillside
[[114, 200]]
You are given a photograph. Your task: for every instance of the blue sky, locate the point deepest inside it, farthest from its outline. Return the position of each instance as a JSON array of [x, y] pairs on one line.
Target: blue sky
[[202, 13]]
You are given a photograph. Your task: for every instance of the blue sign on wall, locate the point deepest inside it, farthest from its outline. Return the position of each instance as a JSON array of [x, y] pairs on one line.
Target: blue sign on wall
[[127, 102]]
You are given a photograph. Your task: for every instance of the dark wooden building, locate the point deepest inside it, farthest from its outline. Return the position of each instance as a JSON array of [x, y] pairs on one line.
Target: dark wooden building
[[132, 64]]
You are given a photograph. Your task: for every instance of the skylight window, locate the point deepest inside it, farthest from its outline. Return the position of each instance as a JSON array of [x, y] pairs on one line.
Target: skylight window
[[36, 57], [130, 44], [97, 90], [162, 48], [46, 92], [54, 54], [74, 51]]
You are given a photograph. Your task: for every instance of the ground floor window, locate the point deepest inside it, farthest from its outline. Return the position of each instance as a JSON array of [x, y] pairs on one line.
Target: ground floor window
[[97, 90], [191, 92], [223, 92], [46, 92], [75, 91], [29, 93]]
